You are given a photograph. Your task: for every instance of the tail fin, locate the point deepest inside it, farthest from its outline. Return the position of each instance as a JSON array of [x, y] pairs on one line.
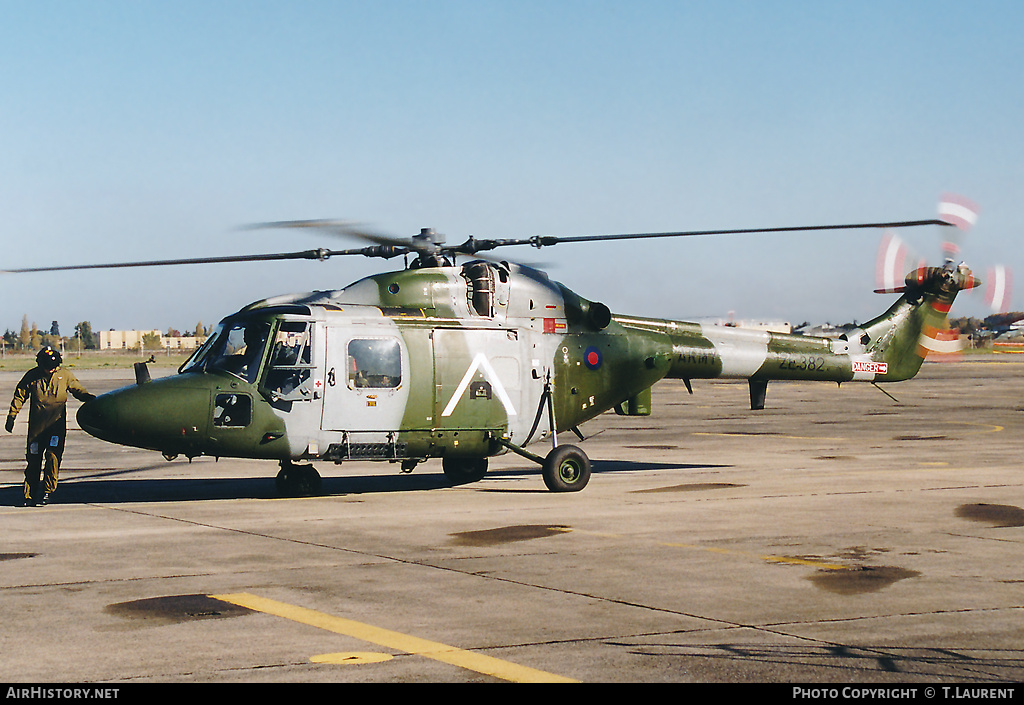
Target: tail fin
[[903, 336]]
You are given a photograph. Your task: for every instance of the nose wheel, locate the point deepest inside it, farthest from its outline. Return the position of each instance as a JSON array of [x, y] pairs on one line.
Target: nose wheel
[[461, 471], [298, 480]]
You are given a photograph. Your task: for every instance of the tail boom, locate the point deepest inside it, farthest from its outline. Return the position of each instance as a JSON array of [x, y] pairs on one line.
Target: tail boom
[[889, 348]]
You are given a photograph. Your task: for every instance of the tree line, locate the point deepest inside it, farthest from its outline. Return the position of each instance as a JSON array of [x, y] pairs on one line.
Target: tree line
[[31, 337]]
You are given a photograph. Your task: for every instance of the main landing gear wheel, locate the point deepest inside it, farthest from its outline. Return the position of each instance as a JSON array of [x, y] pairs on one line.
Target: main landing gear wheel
[[462, 471], [566, 469], [298, 480]]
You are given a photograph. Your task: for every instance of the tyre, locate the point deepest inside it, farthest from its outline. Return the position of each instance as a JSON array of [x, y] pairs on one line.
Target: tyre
[[298, 481], [566, 469], [461, 471]]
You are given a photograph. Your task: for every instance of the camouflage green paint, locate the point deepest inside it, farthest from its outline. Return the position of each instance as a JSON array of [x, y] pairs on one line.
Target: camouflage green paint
[[141, 416], [481, 344], [624, 364]]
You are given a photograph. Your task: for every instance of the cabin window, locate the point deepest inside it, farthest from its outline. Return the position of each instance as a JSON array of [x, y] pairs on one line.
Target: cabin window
[[291, 360], [374, 363]]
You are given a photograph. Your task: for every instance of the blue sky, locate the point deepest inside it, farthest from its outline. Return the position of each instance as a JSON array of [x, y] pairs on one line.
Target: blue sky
[[147, 130]]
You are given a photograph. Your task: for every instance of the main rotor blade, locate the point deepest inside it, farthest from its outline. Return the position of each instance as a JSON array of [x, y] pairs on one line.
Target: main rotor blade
[[388, 247], [545, 240], [343, 228], [319, 254]]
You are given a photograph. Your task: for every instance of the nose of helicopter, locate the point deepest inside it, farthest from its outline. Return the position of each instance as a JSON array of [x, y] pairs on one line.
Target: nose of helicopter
[[99, 417], [159, 415]]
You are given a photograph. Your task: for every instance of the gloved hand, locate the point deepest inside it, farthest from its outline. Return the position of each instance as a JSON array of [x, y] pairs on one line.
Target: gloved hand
[[10, 424]]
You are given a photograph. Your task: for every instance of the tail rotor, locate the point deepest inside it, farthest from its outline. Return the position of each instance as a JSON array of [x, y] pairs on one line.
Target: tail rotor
[[998, 288], [898, 270], [897, 267], [960, 212]]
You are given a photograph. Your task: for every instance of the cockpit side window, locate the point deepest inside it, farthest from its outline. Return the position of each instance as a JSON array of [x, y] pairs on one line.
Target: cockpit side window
[[291, 345], [374, 363], [290, 365]]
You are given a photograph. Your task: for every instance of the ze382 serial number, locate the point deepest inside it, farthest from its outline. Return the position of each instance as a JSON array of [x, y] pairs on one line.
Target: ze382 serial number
[[810, 363]]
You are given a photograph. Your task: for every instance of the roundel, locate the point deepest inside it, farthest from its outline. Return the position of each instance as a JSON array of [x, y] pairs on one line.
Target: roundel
[[592, 358]]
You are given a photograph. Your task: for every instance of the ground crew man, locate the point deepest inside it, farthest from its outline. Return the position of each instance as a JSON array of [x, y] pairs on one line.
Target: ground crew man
[[47, 388]]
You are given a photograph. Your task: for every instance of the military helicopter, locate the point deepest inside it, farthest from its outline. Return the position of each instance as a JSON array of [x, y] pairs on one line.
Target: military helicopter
[[465, 361]]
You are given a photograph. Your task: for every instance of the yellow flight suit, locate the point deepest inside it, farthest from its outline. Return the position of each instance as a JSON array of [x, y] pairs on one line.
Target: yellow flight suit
[[47, 423]]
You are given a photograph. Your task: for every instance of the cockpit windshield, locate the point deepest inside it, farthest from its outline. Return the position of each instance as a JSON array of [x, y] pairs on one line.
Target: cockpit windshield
[[235, 347]]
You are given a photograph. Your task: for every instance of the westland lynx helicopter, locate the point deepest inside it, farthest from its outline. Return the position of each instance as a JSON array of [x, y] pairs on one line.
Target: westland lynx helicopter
[[466, 361]]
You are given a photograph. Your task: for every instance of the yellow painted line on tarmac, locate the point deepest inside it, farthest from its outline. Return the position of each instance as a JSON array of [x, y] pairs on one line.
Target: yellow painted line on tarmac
[[985, 428], [805, 561], [771, 559], [760, 436], [989, 427], [472, 661], [733, 552]]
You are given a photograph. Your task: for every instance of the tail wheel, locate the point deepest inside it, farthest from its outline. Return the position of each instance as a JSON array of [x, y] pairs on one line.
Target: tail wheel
[[464, 470], [566, 469]]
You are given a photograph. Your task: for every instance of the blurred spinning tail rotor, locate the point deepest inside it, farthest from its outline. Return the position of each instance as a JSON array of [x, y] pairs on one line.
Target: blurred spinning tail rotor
[[961, 213], [998, 288], [892, 264], [896, 267], [898, 271]]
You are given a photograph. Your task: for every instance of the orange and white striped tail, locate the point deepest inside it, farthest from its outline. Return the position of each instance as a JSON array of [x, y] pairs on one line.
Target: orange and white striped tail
[[940, 344]]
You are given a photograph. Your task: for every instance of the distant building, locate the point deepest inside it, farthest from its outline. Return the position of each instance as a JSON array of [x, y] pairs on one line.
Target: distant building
[[181, 342], [123, 339], [132, 340]]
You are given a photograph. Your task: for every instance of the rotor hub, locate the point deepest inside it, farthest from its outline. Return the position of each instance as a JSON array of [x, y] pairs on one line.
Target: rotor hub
[[429, 235]]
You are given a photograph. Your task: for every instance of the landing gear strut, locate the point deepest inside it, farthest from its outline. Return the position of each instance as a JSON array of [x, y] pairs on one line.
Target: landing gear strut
[[565, 469], [298, 480]]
